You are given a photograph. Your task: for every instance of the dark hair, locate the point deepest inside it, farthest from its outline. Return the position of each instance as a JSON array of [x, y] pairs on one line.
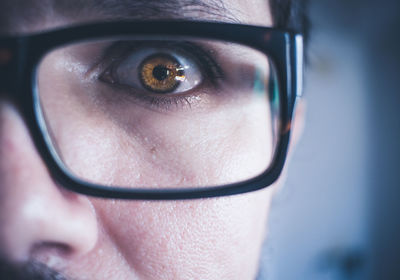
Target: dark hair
[[286, 13], [291, 14]]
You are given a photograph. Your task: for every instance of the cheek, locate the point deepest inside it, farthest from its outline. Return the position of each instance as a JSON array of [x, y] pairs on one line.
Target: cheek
[[216, 238]]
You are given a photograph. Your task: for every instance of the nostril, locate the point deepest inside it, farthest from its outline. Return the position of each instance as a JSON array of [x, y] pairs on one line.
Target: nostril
[[53, 254]]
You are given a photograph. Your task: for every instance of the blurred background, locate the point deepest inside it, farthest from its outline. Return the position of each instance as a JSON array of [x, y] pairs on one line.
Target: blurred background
[[338, 216]]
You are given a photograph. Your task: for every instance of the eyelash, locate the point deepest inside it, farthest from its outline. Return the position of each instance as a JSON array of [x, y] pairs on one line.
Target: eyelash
[[209, 67]]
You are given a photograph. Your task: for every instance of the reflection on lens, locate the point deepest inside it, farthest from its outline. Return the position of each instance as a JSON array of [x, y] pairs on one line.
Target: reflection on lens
[[160, 112]]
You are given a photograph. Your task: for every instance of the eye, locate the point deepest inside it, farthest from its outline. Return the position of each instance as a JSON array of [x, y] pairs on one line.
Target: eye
[[158, 71]]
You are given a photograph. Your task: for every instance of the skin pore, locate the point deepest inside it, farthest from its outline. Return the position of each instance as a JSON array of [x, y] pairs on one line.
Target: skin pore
[[88, 238]]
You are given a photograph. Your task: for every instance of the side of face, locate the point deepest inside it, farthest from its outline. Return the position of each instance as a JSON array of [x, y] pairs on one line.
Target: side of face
[[88, 238]]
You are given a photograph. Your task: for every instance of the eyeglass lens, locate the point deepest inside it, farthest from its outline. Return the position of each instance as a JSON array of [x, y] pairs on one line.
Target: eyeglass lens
[[159, 112]]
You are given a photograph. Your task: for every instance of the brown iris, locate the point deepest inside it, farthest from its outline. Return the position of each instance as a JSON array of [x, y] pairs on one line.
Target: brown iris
[[161, 73]]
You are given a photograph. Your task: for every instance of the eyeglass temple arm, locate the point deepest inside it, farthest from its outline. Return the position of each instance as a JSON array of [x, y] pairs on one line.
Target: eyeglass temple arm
[[297, 72], [299, 60]]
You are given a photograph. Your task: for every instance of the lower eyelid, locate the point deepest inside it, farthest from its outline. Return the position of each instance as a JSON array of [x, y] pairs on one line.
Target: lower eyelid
[[203, 99]]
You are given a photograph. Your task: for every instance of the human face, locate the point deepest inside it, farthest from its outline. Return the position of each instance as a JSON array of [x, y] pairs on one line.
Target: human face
[[87, 238]]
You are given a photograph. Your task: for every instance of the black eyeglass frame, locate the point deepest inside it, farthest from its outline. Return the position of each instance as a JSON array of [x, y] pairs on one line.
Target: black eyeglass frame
[[20, 56]]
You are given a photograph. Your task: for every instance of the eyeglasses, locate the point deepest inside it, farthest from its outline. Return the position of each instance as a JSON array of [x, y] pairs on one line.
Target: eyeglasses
[[157, 110]]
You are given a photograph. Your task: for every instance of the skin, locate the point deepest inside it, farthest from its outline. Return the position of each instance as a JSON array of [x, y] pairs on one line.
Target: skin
[[88, 238]]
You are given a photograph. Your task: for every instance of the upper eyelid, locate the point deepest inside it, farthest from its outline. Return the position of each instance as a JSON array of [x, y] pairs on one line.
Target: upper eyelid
[[117, 51]]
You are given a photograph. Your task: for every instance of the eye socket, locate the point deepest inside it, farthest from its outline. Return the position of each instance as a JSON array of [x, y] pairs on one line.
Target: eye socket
[[158, 71]]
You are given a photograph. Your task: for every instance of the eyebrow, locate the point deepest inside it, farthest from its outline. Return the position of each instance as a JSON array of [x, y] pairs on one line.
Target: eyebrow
[[145, 9]]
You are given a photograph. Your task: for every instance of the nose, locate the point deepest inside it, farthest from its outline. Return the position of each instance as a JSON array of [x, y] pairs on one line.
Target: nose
[[38, 218]]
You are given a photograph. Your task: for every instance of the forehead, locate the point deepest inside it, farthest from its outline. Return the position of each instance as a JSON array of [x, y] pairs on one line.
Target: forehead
[[35, 15]]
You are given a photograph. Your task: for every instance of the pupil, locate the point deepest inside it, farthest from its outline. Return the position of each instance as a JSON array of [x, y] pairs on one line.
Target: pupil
[[160, 72]]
